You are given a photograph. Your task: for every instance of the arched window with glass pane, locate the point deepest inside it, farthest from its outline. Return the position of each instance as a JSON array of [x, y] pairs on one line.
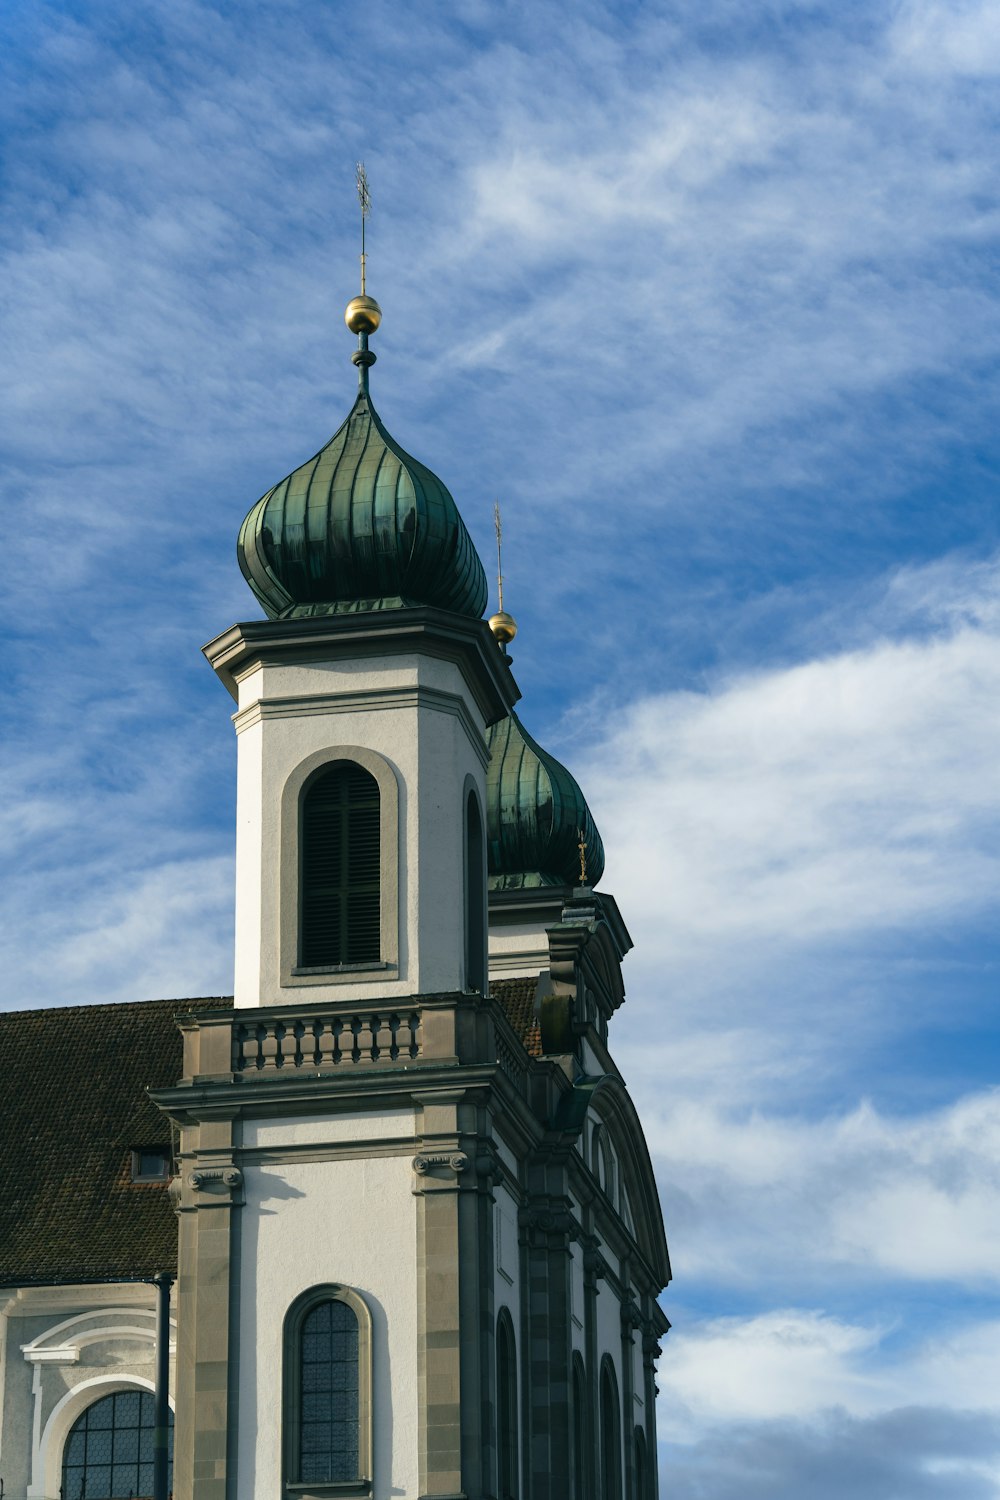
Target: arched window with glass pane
[[327, 1378], [611, 1439], [339, 868], [507, 1444], [109, 1451]]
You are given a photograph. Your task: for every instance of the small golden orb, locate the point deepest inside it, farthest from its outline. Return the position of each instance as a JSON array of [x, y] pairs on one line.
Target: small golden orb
[[504, 627], [362, 314]]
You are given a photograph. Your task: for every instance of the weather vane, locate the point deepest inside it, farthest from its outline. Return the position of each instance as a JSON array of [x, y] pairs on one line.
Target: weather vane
[[365, 199], [582, 846], [498, 527]]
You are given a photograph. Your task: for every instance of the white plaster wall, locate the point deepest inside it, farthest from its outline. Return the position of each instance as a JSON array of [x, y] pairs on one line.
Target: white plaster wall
[[518, 951], [638, 1382], [323, 706], [250, 837], [507, 1156], [609, 1329], [329, 1130], [352, 1222], [576, 1284], [506, 1255], [577, 1328]]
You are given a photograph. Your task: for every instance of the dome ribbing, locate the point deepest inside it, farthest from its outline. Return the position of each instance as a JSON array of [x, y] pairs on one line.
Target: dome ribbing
[[360, 526], [535, 815]]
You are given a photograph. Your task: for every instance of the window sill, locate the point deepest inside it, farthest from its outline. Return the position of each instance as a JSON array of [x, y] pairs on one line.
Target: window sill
[[344, 969], [342, 1489]]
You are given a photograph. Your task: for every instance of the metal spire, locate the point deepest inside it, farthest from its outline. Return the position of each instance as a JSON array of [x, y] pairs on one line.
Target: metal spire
[[363, 313]]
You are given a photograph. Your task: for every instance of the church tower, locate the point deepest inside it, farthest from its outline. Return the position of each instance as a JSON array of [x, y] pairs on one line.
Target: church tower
[[420, 1242]]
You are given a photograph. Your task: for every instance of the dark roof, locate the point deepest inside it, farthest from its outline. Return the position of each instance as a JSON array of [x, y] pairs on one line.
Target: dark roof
[[517, 996], [73, 1106]]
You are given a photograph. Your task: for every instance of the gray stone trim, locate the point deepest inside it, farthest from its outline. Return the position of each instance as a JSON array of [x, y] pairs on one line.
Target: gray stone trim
[[204, 1384], [411, 631], [307, 705], [391, 836]]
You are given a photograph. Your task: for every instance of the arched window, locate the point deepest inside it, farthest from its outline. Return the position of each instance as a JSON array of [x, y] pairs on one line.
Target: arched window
[[581, 1429], [475, 896], [109, 1450], [604, 1161], [327, 1378], [641, 1480], [611, 1440], [339, 884], [506, 1408]]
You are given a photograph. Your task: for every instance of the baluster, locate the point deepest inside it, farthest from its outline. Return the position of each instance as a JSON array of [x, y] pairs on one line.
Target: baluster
[[289, 1049], [366, 1040], [269, 1046], [385, 1050], [326, 1045]]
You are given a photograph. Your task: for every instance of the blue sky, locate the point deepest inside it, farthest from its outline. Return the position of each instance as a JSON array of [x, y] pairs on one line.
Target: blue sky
[[706, 294]]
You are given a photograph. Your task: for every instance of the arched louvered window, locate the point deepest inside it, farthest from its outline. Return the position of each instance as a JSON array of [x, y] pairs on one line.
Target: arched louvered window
[[506, 1409], [581, 1429], [109, 1450], [339, 875], [328, 1389], [475, 896], [611, 1440]]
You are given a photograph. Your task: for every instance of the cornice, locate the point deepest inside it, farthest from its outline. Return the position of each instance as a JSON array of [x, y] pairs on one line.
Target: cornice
[[423, 630]]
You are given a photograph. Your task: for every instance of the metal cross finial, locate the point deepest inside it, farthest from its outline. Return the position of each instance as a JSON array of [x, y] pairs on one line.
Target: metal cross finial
[[582, 846], [499, 531], [365, 199]]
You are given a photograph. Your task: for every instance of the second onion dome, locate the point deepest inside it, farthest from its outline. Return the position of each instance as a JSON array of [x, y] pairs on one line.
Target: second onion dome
[[536, 816]]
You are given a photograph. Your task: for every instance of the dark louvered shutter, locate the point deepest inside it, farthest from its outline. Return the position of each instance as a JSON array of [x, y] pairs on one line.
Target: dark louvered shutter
[[340, 869]]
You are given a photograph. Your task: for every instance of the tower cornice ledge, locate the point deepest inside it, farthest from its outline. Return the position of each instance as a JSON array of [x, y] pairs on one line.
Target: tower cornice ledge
[[419, 629]]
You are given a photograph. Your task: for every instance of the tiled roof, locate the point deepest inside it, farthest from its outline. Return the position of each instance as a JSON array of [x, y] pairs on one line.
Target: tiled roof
[[73, 1106], [517, 996]]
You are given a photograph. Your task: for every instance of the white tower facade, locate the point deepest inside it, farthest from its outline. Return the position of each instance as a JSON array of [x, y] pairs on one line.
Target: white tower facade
[[408, 697]]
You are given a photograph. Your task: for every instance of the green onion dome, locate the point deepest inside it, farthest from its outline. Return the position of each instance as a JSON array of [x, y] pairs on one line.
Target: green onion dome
[[361, 526], [536, 816]]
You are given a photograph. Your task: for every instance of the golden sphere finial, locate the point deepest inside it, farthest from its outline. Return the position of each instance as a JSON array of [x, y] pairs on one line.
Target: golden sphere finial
[[362, 314], [504, 627]]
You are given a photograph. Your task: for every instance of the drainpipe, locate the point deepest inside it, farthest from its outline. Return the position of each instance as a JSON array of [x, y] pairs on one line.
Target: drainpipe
[[161, 1417]]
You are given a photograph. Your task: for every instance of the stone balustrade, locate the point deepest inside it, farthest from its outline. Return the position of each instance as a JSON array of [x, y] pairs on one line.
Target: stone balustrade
[[266, 1044]]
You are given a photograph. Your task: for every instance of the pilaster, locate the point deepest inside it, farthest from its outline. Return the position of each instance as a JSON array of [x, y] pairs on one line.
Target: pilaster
[[547, 1230], [210, 1191]]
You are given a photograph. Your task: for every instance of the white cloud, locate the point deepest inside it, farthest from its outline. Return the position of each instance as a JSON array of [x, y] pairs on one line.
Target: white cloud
[[796, 1363], [852, 794], [858, 1199]]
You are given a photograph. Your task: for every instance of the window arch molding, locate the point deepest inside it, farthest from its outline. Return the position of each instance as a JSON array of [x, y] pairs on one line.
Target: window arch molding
[[47, 1460], [507, 1409], [293, 793], [611, 1432], [292, 1405]]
